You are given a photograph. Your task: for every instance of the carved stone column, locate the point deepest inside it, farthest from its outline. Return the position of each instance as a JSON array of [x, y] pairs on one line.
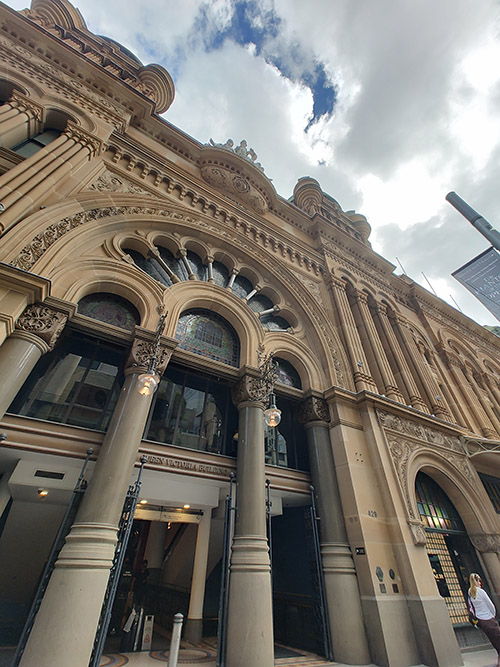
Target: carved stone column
[[347, 628], [378, 358], [250, 619], [482, 400], [65, 627], [28, 182], [407, 378], [36, 332], [427, 381], [363, 379], [488, 546], [459, 374], [194, 623], [20, 118]]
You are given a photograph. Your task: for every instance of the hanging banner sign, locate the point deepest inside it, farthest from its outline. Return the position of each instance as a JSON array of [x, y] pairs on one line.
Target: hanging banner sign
[[481, 276]]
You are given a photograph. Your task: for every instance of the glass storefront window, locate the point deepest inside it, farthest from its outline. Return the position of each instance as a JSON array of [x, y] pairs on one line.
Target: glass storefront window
[[286, 444], [77, 383], [193, 411]]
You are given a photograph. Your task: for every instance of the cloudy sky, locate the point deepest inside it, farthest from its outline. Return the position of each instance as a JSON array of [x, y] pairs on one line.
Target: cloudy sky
[[389, 104]]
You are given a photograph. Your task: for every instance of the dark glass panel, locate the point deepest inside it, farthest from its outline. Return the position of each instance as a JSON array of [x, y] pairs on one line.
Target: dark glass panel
[[220, 273], [200, 271], [31, 146], [193, 411], [151, 266], [274, 323], [286, 444], [242, 286], [259, 303], [77, 383], [209, 335], [174, 264], [110, 308]]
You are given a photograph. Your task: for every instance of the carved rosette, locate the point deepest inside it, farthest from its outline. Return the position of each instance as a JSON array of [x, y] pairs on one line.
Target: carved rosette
[[486, 543], [141, 353], [250, 388], [313, 409], [418, 533], [236, 185], [43, 322]]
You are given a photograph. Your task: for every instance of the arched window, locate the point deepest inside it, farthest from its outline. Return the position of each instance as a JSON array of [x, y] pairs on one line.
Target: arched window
[[30, 146], [110, 308], [209, 335], [287, 374], [451, 554]]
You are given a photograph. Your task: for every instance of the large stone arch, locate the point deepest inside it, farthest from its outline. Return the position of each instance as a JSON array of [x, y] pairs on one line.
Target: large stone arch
[[50, 236]]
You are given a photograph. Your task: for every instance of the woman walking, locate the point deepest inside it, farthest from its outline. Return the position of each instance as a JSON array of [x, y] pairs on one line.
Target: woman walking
[[485, 612]]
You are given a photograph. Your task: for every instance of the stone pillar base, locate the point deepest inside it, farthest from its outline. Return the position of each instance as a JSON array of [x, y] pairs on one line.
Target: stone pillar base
[[250, 640], [193, 631], [346, 615]]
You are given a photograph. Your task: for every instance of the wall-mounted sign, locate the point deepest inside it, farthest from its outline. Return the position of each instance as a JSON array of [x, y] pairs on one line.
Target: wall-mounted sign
[[360, 551]]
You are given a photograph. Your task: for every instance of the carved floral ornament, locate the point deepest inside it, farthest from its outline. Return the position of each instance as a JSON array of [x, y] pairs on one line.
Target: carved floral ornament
[[141, 353], [42, 321], [486, 543], [406, 439], [313, 409], [235, 185]]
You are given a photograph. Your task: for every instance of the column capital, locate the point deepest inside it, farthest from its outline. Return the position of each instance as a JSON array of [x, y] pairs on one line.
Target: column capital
[[250, 388], [43, 322], [143, 348], [486, 542], [23, 103], [313, 409], [360, 297], [380, 308], [338, 283], [79, 135]]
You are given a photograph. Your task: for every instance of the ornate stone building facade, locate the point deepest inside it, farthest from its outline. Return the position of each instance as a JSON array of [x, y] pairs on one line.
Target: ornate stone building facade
[[110, 218]]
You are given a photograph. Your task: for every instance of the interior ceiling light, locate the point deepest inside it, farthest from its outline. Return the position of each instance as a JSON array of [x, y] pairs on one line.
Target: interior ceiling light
[[186, 507], [43, 492], [143, 502]]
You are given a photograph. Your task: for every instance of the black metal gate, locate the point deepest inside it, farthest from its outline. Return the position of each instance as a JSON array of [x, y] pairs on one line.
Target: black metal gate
[[124, 529], [321, 607], [230, 510], [66, 523]]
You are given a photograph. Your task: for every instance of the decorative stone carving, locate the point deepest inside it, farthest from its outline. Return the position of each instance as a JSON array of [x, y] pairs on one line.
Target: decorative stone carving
[[313, 409], [486, 543], [422, 433], [87, 140], [109, 182], [418, 533], [42, 321], [141, 353], [23, 103], [235, 185], [250, 388], [241, 150]]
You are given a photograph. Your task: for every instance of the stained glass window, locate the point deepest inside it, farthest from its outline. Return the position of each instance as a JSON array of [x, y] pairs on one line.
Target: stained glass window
[[150, 266], [209, 335], [110, 308], [287, 373], [435, 508]]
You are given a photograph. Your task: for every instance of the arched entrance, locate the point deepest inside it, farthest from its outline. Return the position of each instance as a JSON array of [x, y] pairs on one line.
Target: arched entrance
[[451, 554]]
